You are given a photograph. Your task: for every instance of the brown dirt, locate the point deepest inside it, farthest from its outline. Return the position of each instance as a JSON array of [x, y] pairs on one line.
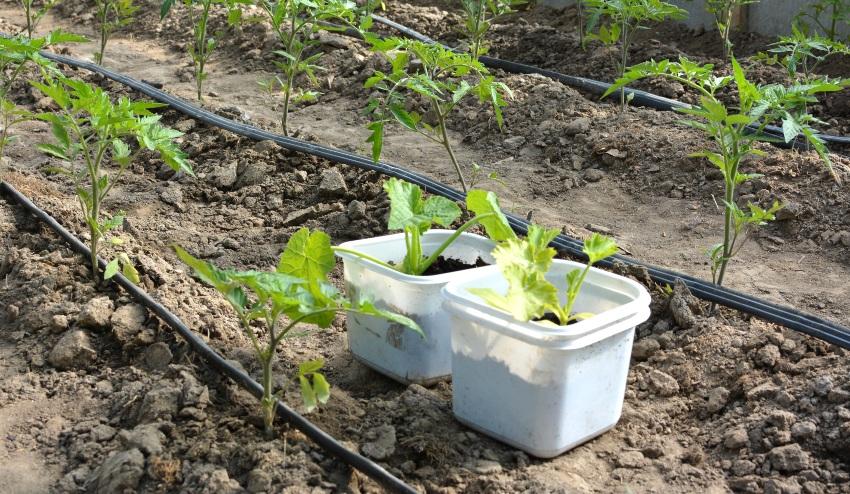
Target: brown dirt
[[714, 403]]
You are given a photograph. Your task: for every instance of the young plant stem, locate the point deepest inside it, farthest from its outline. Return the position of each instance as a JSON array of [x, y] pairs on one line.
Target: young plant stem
[[268, 402], [98, 57], [28, 13], [727, 27], [476, 39], [448, 145], [290, 76]]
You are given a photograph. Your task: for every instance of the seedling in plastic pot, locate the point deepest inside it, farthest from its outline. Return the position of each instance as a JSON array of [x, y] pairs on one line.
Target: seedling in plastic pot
[[295, 22], [203, 45], [90, 128], [415, 216], [524, 264], [112, 15], [724, 16], [296, 294], [17, 54], [824, 17], [735, 134], [480, 15], [441, 77], [35, 11], [625, 19]]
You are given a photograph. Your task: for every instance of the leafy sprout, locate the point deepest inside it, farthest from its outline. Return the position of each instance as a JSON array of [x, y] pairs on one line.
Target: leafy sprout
[[802, 54], [112, 15], [34, 13], [824, 17], [203, 45], [414, 215], [724, 17], [480, 15], [91, 128], [295, 22], [625, 19], [442, 77], [735, 131], [296, 294], [524, 263]]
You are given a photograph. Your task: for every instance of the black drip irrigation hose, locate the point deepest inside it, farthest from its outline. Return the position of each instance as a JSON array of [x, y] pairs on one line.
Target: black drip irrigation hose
[[785, 316], [641, 98], [215, 360]]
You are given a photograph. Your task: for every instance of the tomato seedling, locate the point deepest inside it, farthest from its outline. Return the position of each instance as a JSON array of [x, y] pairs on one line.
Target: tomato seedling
[[625, 19], [295, 22], [436, 74], [90, 127], [480, 15], [824, 17], [296, 293], [34, 13], [735, 133], [203, 45], [112, 15], [414, 215], [724, 17], [524, 263]]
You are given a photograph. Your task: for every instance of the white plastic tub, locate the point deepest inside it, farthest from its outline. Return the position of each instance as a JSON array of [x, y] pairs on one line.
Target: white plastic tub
[[388, 347], [543, 389]]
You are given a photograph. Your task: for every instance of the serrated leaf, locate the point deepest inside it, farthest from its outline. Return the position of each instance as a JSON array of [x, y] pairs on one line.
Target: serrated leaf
[[307, 255], [482, 203]]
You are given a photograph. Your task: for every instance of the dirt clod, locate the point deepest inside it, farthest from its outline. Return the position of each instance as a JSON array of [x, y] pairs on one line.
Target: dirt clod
[[74, 350]]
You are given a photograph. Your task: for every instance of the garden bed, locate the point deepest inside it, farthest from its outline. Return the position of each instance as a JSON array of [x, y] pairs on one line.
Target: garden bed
[[713, 403]]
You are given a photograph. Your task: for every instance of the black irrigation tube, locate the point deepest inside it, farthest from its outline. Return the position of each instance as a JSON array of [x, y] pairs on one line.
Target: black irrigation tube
[[641, 98], [785, 316], [215, 360]]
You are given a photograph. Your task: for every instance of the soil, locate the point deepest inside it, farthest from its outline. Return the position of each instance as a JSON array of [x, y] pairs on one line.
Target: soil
[[96, 395], [553, 318], [450, 265]]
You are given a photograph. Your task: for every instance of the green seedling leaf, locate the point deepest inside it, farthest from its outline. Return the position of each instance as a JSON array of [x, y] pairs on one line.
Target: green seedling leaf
[[407, 209], [307, 256], [599, 247], [485, 205], [111, 269]]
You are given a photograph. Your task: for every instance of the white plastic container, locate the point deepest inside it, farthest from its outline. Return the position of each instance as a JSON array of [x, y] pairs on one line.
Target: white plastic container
[[543, 389], [387, 347]]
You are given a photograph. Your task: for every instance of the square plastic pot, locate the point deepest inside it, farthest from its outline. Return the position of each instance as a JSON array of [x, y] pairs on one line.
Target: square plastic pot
[[543, 389], [388, 347]]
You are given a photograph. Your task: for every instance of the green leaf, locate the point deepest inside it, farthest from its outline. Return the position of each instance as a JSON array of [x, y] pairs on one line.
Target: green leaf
[[310, 366], [368, 308], [483, 203], [408, 209], [111, 269], [321, 388], [307, 256], [599, 247], [308, 395]]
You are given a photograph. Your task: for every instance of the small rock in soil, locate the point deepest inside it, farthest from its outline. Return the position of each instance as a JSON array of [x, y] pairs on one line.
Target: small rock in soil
[[158, 356], [356, 210], [593, 174], [736, 438], [96, 313], [332, 184], [681, 303], [59, 323], [822, 385], [578, 125], [803, 430], [259, 481], [251, 173], [158, 403], [121, 472], [630, 459], [662, 384], [127, 322], [514, 142], [266, 147], [223, 176], [73, 350], [717, 399], [790, 458], [384, 444], [782, 419], [146, 438], [768, 356], [645, 348], [485, 467], [172, 195]]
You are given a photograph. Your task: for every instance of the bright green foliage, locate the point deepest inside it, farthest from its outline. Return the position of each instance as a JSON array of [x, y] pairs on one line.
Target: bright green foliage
[[16, 55], [624, 19], [203, 45], [297, 292], [724, 11], [480, 14], [35, 11], [295, 22], [441, 77], [415, 216], [801, 55], [824, 17], [524, 264], [91, 128], [735, 132], [112, 15]]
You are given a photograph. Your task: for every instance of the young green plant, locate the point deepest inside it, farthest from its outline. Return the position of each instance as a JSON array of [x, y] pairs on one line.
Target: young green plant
[[625, 19], [89, 127], [414, 215], [735, 133], [824, 17], [524, 264], [34, 13], [296, 293], [112, 15], [480, 15], [203, 45], [437, 75], [295, 23], [17, 55], [724, 12], [803, 54]]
